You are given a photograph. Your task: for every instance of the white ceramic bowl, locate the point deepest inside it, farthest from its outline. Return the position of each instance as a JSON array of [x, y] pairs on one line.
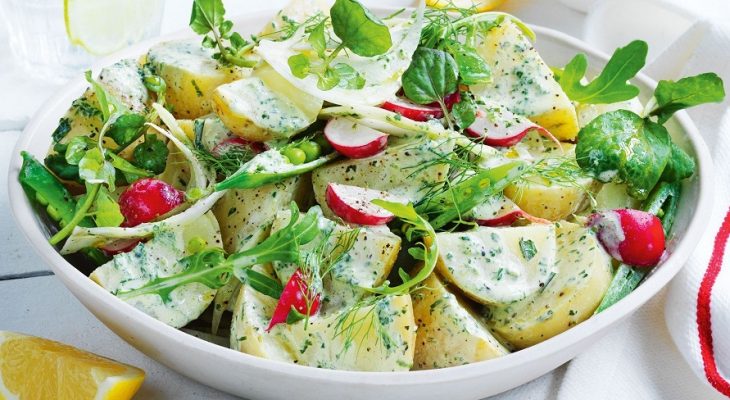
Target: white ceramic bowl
[[257, 378]]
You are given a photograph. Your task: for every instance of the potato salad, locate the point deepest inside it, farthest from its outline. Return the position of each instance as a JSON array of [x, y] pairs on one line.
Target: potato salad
[[359, 191]]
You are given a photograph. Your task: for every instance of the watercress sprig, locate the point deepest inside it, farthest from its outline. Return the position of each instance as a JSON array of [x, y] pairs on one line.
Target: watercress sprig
[[357, 30], [208, 18], [432, 75]]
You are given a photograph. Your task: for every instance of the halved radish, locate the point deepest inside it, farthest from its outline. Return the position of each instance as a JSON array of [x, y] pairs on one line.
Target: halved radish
[[354, 140], [497, 126], [411, 110], [233, 143], [354, 204], [501, 211], [633, 237]]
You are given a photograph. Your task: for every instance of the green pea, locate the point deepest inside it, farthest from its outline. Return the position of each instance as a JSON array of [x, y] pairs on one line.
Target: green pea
[[311, 149], [40, 199], [296, 156], [196, 244]]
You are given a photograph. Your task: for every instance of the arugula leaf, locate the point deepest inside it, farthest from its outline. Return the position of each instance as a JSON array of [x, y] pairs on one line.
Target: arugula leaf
[[106, 210], [679, 166], [211, 268], [94, 169], [206, 15], [427, 251], [360, 31], [151, 154], [611, 85], [685, 93], [126, 129], [473, 69], [431, 76], [263, 284], [621, 146], [527, 247], [464, 112]]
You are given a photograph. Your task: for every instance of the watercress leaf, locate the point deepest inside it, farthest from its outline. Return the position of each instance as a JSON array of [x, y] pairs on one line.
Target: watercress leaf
[[151, 154], [206, 15], [360, 30], [465, 111], [126, 129], [527, 247], [263, 284], [680, 165], [473, 69], [685, 93], [611, 84], [93, 168], [299, 65], [208, 42], [225, 29], [431, 76], [328, 79], [76, 149], [130, 171], [106, 210], [317, 40], [62, 169], [349, 77], [237, 41], [621, 146]]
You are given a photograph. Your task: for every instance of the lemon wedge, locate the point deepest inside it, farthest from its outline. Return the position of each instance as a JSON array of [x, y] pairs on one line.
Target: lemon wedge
[[104, 26], [478, 5], [35, 368]]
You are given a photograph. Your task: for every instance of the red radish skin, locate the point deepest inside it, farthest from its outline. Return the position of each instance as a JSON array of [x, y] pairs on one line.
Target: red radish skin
[[449, 100], [354, 204], [119, 246], [354, 140], [231, 143], [501, 211], [510, 218], [147, 199], [411, 110], [633, 237], [296, 294], [502, 128]]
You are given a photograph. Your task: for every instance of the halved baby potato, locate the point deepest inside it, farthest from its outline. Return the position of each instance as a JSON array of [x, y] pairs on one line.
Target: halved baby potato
[[449, 332], [583, 275], [498, 266]]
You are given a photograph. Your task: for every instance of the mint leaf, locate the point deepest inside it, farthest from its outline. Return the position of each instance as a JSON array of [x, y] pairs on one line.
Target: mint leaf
[[431, 76], [611, 85], [360, 31], [621, 146], [685, 93], [206, 15]]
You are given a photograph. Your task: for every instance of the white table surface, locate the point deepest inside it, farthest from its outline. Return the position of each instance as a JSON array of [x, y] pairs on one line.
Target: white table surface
[[35, 302]]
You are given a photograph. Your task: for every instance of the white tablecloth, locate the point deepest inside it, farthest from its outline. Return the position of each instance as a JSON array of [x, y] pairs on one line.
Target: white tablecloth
[[40, 305]]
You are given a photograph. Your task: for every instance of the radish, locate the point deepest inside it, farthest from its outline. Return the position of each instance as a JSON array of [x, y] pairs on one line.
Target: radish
[[354, 140], [631, 236], [146, 199], [497, 126], [449, 100], [411, 110], [354, 204], [501, 211], [119, 246]]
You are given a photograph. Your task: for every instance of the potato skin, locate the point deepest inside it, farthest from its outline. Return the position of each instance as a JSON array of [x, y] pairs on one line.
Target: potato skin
[[449, 332]]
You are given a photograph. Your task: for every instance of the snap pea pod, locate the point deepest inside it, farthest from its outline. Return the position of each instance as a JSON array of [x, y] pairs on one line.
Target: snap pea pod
[[45, 190], [662, 202]]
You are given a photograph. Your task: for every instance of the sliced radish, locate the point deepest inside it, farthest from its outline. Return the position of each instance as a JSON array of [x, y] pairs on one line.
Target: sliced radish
[[119, 246], [449, 100], [354, 140], [411, 110], [234, 143], [501, 211], [633, 237], [497, 126], [354, 204]]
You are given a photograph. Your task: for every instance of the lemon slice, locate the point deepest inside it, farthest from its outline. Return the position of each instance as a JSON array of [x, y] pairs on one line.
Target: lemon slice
[[478, 5], [104, 26], [35, 368]]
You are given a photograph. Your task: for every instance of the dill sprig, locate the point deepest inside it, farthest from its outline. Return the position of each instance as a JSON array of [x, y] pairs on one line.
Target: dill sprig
[[561, 171]]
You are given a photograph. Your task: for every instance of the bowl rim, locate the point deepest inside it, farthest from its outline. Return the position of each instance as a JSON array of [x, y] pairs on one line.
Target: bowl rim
[[75, 280]]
